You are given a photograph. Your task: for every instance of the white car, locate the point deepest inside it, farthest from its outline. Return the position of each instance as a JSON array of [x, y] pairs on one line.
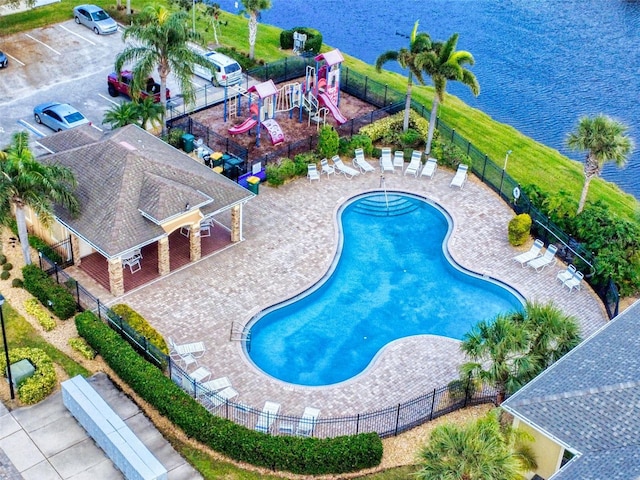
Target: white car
[[95, 18]]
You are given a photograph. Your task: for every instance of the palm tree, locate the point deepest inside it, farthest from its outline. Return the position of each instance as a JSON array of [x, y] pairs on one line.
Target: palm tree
[[121, 114], [27, 183], [605, 140], [149, 111], [443, 63], [418, 42], [160, 41], [252, 9], [482, 450]]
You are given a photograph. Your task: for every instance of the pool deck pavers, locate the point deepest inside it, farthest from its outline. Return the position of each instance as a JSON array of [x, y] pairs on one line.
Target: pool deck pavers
[[290, 240]]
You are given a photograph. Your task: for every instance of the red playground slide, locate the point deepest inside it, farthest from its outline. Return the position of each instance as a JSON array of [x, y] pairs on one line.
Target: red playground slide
[[333, 108], [244, 127]]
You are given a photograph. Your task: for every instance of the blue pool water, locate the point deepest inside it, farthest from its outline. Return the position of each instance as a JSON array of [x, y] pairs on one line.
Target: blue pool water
[[391, 280]]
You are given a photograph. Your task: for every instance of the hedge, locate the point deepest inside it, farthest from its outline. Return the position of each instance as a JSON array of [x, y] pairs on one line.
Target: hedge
[[53, 296], [313, 43], [38, 386], [140, 325], [310, 456]]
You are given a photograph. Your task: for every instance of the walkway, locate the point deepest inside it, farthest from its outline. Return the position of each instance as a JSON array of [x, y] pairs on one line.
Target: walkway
[[290, 242]]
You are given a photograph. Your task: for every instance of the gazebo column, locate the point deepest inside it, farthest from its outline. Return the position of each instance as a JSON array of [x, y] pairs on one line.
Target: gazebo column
[[236, 223], [164, 264], [116, 279], [195, 248], [75, 250]]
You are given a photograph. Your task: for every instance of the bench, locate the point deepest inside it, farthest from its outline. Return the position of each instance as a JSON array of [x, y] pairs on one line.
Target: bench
[[110, 432]]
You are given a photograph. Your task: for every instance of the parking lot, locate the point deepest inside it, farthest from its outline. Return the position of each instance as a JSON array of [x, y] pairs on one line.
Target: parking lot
[[66, 63]]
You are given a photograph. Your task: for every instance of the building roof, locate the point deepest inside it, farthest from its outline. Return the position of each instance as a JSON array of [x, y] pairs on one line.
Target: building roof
[[130, 182], [589, 401]]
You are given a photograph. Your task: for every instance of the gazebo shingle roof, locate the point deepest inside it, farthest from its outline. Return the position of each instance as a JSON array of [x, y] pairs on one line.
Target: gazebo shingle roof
[[127, 172]]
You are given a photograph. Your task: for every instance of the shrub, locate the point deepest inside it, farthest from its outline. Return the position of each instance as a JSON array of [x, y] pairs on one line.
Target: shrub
[[242, 58], [55, 297], [81, 346], [410, 139], [3, 259], [310, 456], [519, 229], [7, 266], [392, 125], [5, 275], [174, 137], [38, 386], [313, 43], [43, 317], [274, 176], [137, 322], [17, 283], [328, 141]]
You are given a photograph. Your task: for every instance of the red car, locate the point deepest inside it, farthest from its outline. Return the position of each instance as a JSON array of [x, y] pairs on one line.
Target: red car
[[121, 85]]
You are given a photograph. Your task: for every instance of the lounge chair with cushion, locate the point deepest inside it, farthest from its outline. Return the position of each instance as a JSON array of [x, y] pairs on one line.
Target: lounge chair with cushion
[[534, 252], [564, 275], [312, 172], [414, 164], [549, 258], [398, 160], [326, 168], [386, 163], [307, 423], [460, 177], [429, 169], [343, 169], [195, 349], [574, 282], [267, 416], [361, 163]]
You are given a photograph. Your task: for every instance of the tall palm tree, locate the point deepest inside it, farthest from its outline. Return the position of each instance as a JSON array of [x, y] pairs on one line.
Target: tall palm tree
[[27, 183], [481, 450], [406, 57], [252, 9], [605, 140], [160, 41], [443, 63]]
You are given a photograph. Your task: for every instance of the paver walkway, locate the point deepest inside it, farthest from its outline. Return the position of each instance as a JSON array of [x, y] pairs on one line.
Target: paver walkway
[[291, 236]]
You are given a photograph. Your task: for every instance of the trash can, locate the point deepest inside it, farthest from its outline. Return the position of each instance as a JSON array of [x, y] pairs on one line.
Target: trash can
[[187, 142], [253, 184]]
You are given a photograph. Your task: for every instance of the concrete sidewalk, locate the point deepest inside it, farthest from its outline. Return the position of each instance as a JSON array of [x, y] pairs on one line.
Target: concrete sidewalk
[[44, 442]]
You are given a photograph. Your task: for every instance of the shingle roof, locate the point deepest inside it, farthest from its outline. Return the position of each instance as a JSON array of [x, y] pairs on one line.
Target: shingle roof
[[590, 401], [127, 172]]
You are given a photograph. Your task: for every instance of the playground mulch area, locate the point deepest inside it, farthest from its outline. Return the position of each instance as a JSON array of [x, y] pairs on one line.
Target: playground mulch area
[[293, 130]]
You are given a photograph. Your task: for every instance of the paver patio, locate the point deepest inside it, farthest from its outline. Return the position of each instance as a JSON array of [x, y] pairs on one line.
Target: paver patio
[[290, 240]]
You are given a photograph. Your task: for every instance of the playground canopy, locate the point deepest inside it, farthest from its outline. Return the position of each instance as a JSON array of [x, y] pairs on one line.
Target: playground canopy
[[264, 89], [331, 58]]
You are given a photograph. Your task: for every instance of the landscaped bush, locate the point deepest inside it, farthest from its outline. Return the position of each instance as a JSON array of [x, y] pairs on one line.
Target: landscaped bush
[[309, 456], [313, 43], [174, 137], [328, 140], [5, 275], [285, 169], [81, 346], [33, 308], [519, 229], [7, 266], [17, 283], [347, 146], [140, 325], [37, 387], [55, 297], [3, 259], [274, 175], [389, 128], [39, 244]]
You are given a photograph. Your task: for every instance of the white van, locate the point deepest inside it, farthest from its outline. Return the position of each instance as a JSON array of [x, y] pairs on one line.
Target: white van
[[224, 71]]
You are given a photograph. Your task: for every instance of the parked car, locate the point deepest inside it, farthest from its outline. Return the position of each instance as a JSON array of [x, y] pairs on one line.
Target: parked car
[[122, 85], [4, 61], [58, 116], [95, 18], [222, 71]]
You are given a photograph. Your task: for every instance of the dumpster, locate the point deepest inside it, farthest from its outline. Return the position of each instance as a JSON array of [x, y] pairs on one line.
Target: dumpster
[[253, 184], [187, 142]]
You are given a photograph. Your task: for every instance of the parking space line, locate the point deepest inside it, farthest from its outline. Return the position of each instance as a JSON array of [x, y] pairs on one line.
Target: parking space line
[[97, 128], [31, 127], [44, 44], [108, 99], [76, 34], [14, 58]]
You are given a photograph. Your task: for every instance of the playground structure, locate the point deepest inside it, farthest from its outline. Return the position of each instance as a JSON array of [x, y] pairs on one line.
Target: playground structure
[[319, 95]]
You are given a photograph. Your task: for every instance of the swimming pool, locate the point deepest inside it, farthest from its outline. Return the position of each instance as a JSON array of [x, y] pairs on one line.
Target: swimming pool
[[391, 278]]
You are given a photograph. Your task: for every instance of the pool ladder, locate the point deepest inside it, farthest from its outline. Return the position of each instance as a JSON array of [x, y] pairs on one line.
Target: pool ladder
[[240, 333]]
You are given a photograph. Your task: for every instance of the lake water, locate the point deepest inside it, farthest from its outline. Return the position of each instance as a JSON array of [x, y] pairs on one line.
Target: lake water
[[541, 64]]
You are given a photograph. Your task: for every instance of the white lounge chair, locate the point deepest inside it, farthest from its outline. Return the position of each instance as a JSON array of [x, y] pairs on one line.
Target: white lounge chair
[[267, 416], [307, 422], [534, 252], [205, 227], [574, 282], [326, 168], [312, 172], [398, 160], [217, 384], [549, 258], [361, 163], [566, 274], [386, 163], [214, 400], [460, 177], [200, 374], [343, 169], [414, 164], [195, 349], [429, 169]]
